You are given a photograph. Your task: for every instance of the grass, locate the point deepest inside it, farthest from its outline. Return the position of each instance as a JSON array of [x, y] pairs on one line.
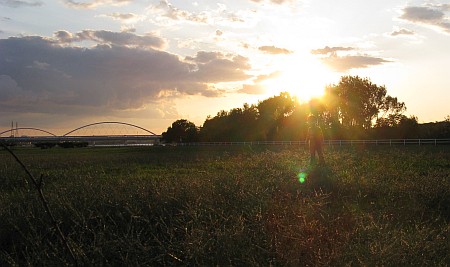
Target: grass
[[237, 205]]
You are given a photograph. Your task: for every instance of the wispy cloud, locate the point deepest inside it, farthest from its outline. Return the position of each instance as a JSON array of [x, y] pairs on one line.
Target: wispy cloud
[[257, 87], [345, 63], [20, 3], [278, 2], [274, 50], [94, 4], [432, 15], [332, 57], [330, 50], [252, 89], [166, 9], [112, 38], [216, 67], [402, 31], [124, 17]]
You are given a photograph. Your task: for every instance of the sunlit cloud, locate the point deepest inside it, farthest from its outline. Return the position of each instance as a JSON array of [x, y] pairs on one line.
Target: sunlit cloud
[[217, 67], [432, 15], [330, 50], [50, 75], [274, 50], [125, 17], [252, 89], [94, 4], [345, 63], [332, 57], [166, 13], [20, 3], [111, 38], [258, 87], [278, 2], [166, 9], [402, 31]]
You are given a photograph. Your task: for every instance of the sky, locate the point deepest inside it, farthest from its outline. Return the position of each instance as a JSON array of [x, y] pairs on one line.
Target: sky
[[67, 63]]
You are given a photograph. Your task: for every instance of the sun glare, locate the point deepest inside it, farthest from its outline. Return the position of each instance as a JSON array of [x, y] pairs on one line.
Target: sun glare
[[304, 77]]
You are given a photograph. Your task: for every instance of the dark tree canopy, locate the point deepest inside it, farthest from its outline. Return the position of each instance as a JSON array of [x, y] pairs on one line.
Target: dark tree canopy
[[181, 131], [357, 102], [354, 108]]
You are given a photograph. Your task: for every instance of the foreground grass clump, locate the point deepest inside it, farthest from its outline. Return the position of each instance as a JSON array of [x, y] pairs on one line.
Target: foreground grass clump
[[228, 206]]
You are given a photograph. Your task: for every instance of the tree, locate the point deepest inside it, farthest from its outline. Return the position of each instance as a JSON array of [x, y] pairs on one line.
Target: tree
[[236, 125], [396, 126], [273, 113], [357, 102], [181, 131]]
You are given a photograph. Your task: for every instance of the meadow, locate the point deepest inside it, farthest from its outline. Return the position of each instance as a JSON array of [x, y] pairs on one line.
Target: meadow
[[228, 205]]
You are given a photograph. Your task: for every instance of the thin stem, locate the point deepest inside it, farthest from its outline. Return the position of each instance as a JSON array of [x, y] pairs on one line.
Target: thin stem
[[38, 185]]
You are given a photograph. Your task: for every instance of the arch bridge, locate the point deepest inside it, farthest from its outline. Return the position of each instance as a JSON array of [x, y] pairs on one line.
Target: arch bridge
[[98, 133]]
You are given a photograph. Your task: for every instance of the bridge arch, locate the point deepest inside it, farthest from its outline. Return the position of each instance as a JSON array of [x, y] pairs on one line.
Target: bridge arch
[[28, 128], [109, 122]]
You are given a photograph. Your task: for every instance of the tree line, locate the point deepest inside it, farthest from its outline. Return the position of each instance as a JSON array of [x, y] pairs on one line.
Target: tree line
[[354, 108]]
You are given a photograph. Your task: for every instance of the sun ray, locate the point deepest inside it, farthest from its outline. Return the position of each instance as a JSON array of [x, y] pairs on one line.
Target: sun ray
[[303, 76]]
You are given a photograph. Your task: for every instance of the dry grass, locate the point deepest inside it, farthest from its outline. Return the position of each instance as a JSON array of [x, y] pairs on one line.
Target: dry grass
[[229, 206]]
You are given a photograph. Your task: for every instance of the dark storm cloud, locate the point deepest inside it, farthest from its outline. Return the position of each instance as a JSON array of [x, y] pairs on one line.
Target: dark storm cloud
[[433, 15], [111, 38], [20, 3], [274, 50], [39, 75]]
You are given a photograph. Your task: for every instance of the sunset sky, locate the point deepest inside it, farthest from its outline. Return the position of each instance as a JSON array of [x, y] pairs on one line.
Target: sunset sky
[[66, 63]]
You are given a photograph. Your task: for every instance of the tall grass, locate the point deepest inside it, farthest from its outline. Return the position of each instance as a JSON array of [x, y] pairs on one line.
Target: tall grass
[[229, 206]]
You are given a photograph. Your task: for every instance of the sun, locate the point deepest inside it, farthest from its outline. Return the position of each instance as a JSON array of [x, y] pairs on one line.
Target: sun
[[304, 77]]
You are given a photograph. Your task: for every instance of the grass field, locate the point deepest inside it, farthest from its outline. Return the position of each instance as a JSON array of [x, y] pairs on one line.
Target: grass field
[[230, 205]]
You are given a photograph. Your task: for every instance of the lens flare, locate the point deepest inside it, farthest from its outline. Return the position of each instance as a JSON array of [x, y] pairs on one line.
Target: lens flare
[[302, 177]]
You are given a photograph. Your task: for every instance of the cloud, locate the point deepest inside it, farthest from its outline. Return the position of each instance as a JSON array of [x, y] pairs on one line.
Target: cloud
[[40, 75], [345, 63], [216, 67], [278, 2], [433, 15], [274, 50], [257, 87], [332, 56], [252, 89], [20, 3], [94, 4], [269, 76], [167, 10], [111, 38], [402, 32], [124, 17], [330, 50]]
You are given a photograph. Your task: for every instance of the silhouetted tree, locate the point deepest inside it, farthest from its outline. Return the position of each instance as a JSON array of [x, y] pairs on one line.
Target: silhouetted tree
[[236, 125], [356, 103], [396, 126], [181, 131], [273, 113]]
